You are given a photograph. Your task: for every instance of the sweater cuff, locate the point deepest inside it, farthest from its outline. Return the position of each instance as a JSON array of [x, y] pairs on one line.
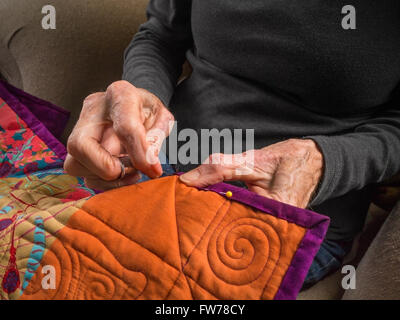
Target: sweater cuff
[[333, 168]]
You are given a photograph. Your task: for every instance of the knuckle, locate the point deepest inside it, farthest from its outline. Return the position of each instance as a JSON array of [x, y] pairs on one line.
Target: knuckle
[[297, 146], [299, 152], [118, 94], [114, 93], [116, 90], [118, 86], [168, 115], [93, 96], [91, 100]]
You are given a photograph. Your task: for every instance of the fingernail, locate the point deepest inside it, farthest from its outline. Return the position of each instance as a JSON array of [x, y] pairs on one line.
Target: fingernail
[[157, 169], [190, 176]]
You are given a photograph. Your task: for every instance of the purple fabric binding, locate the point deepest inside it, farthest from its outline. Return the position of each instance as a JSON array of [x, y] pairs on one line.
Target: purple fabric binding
[[46, 120], [316, 226]]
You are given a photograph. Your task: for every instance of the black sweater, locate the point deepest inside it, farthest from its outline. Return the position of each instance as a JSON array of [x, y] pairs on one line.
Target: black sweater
[[288, 69]]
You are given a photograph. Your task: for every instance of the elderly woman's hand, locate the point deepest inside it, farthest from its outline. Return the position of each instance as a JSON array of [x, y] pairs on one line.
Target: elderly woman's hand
[[122, 120], [287, 171]]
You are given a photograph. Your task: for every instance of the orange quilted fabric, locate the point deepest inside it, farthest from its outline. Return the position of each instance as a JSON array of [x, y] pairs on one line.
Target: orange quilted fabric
[[163, 240]]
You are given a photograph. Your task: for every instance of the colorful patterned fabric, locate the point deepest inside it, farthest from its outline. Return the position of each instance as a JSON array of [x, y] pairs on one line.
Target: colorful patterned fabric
[[22, 151], [36, 196], [156, 240]]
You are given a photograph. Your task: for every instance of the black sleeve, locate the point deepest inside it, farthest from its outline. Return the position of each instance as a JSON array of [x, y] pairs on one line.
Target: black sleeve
[[154, 58], [369, 154]]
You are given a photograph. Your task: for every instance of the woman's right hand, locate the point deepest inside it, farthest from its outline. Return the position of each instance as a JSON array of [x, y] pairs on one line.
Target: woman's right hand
[[122, 120]]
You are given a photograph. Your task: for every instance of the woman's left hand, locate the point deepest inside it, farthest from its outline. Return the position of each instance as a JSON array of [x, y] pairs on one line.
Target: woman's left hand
[[287, 171]]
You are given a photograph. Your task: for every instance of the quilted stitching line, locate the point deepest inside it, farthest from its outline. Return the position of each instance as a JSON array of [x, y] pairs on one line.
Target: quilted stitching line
[[205, 231], [248, 224], [73, 278], [290, 266], [300, 247], [237, 285], [263, 270], [34, 205], [140, 271], [179, 248], [275, 266], [194, 248], [73, 281], [40, 184], [94, 259], [51, 216], [125, 236], [75, 265]]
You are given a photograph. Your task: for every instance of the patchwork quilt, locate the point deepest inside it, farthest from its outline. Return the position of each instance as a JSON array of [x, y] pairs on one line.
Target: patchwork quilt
[[155, 240]]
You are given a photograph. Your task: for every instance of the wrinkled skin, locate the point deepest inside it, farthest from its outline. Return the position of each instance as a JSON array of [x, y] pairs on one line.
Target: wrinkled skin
[[122, 120], [287, 171], [126, 120]]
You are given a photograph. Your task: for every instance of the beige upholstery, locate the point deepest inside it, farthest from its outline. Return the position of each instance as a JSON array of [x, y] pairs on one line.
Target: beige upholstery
[[83, 55], [331, 287], [378, 275]]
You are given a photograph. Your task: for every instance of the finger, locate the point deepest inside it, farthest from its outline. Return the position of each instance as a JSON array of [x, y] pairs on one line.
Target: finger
[[157, 134], [111, 142], [75, 168], [99, 184], [126, 111], [218, 168], [95, 158], [84, 142], [225, 168]]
